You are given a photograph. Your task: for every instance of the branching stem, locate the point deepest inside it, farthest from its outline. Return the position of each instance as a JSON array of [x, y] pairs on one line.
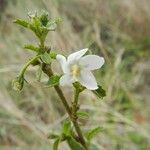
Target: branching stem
[[47, 70]]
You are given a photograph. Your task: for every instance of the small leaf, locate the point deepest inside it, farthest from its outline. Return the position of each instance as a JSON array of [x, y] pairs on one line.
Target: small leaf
[[82, 114], [53, 80], [51, 26], [46, 58], [32, 47], [53, 136], [55, 144], [22, 22], [73, 144], [53, 55], [39, 73], [100, 92], [66, 128], [93, 132]]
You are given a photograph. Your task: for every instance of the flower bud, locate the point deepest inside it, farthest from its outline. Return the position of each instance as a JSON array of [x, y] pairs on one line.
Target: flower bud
[[44, 18], [17, 83]]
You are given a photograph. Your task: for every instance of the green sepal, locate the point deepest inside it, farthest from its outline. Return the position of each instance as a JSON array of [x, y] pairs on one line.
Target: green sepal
[[93, 132], [78, 86], [46, 58], [53, 80], [32, 47], [100, 92]]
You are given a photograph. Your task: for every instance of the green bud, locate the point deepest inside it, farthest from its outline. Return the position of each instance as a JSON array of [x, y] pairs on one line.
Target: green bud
[[17, 83], [53, 55], [44, 18], [78, 86]]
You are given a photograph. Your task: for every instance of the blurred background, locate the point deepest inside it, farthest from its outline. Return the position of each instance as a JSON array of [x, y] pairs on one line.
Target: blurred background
[[118, 30]]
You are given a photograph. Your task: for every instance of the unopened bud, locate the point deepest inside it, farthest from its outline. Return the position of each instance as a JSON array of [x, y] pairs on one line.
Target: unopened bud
[[17, 83]]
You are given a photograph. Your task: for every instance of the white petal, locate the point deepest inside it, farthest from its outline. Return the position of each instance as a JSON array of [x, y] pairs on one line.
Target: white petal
[[92, 62], [88, 80], [65, 80], [62, 60], [77, 55]]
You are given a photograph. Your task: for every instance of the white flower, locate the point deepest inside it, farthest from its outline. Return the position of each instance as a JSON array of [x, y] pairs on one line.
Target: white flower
[[78, 68]]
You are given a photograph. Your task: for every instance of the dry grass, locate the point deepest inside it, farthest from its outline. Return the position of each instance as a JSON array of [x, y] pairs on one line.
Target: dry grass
[[115, 29]]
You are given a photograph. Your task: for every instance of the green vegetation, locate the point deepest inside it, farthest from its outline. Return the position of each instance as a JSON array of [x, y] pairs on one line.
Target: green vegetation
[[117, 30]]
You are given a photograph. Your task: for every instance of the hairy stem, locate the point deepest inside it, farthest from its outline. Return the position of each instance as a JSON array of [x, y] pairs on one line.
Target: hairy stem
[[27, 65], [47, 70]]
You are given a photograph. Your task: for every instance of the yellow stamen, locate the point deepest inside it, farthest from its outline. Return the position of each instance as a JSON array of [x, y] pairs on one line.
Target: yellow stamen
[[75, 70]]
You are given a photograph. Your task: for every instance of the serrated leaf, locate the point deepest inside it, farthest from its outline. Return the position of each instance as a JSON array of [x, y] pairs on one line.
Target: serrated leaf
[[83, 115], [73, 144], [46, 58], [100, 92], [53, 80], [32, 47], [22, 23], [66, 128], [55, 144], [93, 132]]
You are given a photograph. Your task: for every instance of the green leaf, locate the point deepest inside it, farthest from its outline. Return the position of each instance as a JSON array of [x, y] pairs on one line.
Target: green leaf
[[66, 128], [22, 23], [73, 144], [53, 80], [32, 47], [51, 26], [39, 73], [55, 144], [53, 55], [100, 92], [83, 115], [53, 136], [46, 58], [93, 132]]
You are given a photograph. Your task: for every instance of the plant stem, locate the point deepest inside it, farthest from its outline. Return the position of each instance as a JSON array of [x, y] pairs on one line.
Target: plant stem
[[47, 70], [74, 113], [27, 65]]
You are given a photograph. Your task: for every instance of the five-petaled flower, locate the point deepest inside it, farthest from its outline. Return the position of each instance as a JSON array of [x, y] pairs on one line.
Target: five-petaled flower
[[78, 68]]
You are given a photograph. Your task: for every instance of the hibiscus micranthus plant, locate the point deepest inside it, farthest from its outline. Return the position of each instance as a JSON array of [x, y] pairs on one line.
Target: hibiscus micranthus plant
[[77, 72]]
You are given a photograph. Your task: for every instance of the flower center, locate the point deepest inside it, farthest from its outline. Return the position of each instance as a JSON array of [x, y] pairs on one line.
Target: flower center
[[75, 70]]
